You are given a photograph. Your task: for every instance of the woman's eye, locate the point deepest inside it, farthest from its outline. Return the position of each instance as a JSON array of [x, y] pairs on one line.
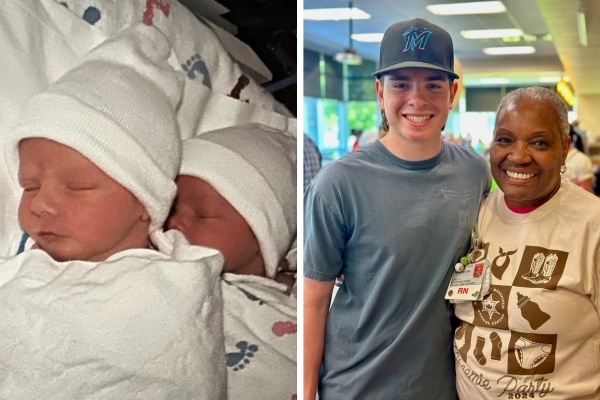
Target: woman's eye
[[541, 143]]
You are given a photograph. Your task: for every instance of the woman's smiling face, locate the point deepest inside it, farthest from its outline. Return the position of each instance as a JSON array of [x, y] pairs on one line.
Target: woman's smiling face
[[527, 151]]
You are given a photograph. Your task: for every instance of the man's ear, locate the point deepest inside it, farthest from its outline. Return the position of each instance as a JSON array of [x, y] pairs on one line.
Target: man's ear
[[379, 91], [453, 91]]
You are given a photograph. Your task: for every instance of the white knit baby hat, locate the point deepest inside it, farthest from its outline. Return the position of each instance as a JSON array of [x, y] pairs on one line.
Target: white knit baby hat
[[253, 166], [117, 108]]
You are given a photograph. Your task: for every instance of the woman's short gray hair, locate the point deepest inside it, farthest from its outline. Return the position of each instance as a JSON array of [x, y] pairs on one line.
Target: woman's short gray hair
[[538, 93]]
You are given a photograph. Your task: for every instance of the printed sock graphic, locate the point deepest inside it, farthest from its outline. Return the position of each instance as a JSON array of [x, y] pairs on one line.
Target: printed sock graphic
[[496, 346], [464, 350], [478, 351]]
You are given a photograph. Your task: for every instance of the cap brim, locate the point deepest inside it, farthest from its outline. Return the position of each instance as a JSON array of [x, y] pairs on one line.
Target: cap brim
[[415, 64]]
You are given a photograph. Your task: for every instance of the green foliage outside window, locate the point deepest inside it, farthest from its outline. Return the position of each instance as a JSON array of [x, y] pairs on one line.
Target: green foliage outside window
[[362, 115]]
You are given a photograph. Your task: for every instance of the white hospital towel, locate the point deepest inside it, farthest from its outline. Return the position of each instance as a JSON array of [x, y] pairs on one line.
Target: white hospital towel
[[141, 325]]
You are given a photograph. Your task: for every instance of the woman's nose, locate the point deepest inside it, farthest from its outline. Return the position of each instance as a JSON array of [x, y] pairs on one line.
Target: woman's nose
[[519, 153]]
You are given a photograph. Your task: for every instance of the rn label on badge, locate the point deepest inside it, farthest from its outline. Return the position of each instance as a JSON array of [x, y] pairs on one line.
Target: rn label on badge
[[466, 285]]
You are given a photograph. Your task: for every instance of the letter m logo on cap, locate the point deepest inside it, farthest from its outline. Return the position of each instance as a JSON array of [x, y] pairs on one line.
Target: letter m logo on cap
[[416, 38]]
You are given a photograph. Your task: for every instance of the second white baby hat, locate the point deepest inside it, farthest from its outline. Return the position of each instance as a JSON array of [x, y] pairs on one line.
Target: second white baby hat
[[253, 166], [117, 108]]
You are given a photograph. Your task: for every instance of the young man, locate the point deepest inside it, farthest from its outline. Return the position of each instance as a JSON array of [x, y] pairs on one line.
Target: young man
[[394, 218]]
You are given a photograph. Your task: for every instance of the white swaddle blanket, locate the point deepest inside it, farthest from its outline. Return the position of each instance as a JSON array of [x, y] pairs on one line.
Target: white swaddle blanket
[[260, 321], [141, 325]]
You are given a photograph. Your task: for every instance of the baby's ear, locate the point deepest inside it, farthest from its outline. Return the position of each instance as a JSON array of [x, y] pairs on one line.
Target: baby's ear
[[144, 216]]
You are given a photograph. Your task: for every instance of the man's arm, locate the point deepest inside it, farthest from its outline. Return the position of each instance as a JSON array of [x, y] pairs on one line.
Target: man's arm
[[317, 297]]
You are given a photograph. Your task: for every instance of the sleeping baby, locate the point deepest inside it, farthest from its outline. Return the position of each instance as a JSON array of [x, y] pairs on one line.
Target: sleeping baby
[[236, 192], [91, 308]]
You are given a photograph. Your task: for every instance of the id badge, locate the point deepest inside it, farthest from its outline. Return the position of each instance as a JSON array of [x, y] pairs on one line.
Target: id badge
[[470, 284]]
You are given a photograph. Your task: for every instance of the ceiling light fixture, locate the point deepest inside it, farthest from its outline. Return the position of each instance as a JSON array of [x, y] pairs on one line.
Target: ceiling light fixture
[[349, 56], [335, 14], [478, 7], [491, 33], [581, 27], [565, 91], [549, 79], [499, 51], [494, 81], [368, 37]]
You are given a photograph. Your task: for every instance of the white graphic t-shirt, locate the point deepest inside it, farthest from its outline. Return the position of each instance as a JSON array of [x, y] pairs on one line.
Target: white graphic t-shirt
[[537, 334]]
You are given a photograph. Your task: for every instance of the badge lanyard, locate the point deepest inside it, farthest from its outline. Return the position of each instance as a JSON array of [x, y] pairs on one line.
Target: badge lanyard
[[471, 279]]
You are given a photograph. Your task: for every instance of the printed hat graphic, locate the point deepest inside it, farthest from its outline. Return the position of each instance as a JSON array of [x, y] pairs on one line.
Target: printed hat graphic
[[416, 43]]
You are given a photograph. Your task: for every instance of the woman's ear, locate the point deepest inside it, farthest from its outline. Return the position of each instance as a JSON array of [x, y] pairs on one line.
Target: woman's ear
[[566, 146]]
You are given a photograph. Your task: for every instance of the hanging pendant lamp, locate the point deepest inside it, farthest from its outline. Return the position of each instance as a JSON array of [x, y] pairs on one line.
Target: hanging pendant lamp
[[349, 55]]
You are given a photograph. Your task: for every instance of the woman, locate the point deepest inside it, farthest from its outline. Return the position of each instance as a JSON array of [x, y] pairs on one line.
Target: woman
[[537, 333]]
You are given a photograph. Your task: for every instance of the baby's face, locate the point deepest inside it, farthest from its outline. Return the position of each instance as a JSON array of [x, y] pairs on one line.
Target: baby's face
[[72, 209], [207, 219]]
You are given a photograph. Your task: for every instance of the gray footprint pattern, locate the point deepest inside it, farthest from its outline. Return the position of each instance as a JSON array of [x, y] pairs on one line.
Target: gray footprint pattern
[[239, 359], [195, 66]]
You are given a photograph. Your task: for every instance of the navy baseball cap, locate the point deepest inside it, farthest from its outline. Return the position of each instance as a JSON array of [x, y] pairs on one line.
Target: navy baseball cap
[[416, 43]]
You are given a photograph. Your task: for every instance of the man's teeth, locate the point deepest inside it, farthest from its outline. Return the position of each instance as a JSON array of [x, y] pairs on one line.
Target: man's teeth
[[518, 175], [418, 118]]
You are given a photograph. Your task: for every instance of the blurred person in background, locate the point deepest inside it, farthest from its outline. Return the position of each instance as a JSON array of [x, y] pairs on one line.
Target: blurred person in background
[[579, 137], [579, 168], [312, 160], [357, 135]]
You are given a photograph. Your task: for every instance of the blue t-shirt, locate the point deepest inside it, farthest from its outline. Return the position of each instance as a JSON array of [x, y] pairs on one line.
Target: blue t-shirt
[[395, 229]]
